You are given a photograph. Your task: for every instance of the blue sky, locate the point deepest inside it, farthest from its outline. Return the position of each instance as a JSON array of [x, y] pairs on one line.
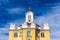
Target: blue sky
[[45, 11]]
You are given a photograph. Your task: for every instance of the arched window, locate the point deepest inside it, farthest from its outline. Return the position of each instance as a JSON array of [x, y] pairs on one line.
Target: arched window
[[42, 34], [29, 18], [15, 34]]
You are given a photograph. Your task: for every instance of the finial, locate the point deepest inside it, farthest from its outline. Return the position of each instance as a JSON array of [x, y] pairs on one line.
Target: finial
[[29, 8], [12, 26], [46, 26]]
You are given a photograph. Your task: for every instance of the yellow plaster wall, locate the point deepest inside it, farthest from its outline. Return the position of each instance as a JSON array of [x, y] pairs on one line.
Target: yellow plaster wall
[[47, 35], [20, 38], [15, 38], [38, 33], [33, 35], [24, 34], [11, 35]]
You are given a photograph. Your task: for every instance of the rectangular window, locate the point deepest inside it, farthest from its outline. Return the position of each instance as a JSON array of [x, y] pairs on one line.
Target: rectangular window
[[29, 33], [15, 35], [20, 34], [42, 34]]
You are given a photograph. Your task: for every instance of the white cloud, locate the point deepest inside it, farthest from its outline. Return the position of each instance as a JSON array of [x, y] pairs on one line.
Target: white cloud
[[53, 18], [4, 30], [3, 37], [15, 10], [3, 33]]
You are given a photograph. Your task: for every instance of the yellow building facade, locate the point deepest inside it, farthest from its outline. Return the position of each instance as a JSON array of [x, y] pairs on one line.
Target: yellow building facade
[[29, 30]]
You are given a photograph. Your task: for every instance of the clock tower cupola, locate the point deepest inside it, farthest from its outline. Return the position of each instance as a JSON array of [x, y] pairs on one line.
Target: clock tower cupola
[[29, 16]]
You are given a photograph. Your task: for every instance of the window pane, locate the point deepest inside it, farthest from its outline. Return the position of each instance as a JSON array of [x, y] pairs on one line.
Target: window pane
[[20, 34], [15, 35], [42, 34], [28, 33]]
